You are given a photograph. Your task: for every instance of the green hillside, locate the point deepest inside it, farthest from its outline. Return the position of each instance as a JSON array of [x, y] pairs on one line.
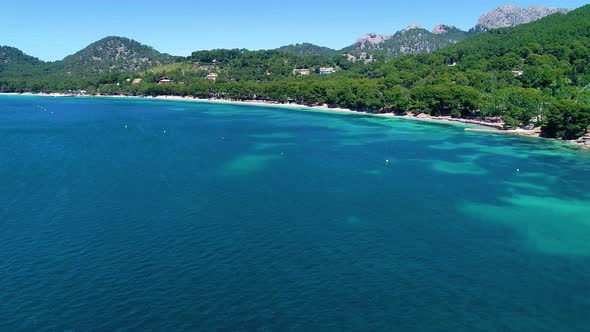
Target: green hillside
[[112, 54], [410, 41], [308, 49], [11, 55]]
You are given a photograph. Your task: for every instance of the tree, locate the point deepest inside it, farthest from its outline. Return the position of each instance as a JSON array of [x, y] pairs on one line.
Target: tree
[[567, 119]]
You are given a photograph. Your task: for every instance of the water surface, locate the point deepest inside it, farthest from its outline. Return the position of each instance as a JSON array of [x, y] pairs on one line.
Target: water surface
[[157, 215]]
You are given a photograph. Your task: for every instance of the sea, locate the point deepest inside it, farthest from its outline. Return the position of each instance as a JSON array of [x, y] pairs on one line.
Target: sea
[[120, 214]]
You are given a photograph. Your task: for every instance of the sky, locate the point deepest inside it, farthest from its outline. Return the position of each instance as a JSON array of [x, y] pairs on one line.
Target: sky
[[51, 30]]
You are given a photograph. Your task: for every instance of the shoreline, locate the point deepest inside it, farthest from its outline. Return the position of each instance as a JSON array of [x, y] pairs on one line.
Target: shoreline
[[487, 127], [492, 127]]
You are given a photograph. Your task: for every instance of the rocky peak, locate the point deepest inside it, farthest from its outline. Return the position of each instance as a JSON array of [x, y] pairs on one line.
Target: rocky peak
[[413, 26], [372, 38], [512, 15], [441, 29]]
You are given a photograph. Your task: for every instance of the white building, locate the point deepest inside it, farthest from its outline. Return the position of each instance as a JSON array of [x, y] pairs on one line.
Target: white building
[[327, 70], [301, 72]]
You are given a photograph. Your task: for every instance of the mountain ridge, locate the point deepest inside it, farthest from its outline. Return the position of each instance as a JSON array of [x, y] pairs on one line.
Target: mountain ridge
[[444, 35], [119, 54]]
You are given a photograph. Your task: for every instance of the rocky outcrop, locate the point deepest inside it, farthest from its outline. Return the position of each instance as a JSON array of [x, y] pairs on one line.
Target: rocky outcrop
[[441, 29], [512, 15], [369, 40], [413, 26]]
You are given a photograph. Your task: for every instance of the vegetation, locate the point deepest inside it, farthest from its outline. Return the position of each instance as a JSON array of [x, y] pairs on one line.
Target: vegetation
[[308, 49], [11, 55], [111, 54], [534, 74], [410, 41]]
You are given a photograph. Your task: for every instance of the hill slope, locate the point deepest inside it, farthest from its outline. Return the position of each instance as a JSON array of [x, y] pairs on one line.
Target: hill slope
[[307, 49], [11, 55], [112, 54], [412, 40]]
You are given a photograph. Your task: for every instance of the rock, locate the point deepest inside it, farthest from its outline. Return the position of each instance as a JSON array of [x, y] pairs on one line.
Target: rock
[[371, 39], [511, 15], [441, 29], [529, 126], [413, 26]]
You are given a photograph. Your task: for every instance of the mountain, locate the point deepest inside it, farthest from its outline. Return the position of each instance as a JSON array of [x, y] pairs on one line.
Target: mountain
[[307, 49], [512, 15], [412, 40], [11, 55], [112, 54]]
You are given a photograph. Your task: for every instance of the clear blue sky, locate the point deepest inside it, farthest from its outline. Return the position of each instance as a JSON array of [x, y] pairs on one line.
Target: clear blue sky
[[51, 30]]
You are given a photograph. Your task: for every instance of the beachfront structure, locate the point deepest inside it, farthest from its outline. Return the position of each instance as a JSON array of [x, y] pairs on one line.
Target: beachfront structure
[[327, 70], [77, 92], [212, 76], [136, 81], [301, 72], [165, 80]]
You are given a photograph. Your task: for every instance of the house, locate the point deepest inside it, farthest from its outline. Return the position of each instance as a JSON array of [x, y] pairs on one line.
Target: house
[[136, 81], [165, 80], [212, 76], [327, 70], [301, 72]]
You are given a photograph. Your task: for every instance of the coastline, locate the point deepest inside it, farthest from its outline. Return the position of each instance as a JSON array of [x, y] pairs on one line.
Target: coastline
[[486, 127], [493, 127]]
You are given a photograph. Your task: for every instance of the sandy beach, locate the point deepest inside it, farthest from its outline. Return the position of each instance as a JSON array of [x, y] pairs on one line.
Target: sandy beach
[[322, 108], [483, 126]]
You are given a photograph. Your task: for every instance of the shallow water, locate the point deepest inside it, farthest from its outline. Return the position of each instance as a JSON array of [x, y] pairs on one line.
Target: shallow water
[[158, 215]]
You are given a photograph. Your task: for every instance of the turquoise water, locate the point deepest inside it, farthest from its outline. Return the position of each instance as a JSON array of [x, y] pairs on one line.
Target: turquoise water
[[137, 215]]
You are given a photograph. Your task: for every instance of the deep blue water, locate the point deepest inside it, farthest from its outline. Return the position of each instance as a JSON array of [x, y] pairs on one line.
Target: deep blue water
[[135, 215]]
